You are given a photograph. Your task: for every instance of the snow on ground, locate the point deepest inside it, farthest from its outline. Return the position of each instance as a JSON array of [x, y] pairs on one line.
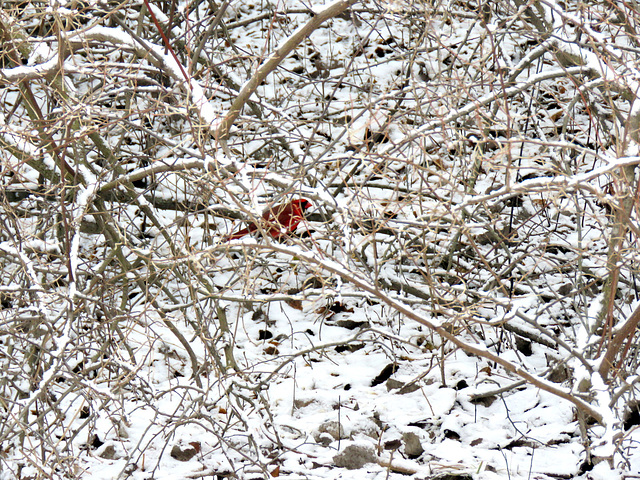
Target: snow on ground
[[134, 375]]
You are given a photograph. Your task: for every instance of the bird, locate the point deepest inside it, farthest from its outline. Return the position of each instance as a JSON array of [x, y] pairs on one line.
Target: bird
[[277, 221]]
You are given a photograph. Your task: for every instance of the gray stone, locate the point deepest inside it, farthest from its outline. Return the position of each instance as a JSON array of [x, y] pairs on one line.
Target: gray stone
[[355, 456], [412, 446]]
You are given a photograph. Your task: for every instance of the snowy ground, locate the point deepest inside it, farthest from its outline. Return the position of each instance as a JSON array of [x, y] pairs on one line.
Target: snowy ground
[[150, 348]]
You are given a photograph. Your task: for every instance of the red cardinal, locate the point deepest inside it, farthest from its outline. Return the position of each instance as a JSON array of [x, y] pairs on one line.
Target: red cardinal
[[277, 221]]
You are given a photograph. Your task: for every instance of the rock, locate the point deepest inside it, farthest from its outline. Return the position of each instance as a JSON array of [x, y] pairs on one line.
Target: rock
[[355, 456], [412, 446], [183, 453], [393, 384], [394, 444], [109, 453], [323, 439], [302, 402], [333, 428], [401, 387]]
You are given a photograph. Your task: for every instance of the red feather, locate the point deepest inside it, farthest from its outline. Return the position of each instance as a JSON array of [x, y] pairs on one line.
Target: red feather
[[277, 221]]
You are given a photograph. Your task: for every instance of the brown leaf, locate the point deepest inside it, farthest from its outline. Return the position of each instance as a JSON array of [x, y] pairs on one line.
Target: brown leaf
[[297, 304]]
